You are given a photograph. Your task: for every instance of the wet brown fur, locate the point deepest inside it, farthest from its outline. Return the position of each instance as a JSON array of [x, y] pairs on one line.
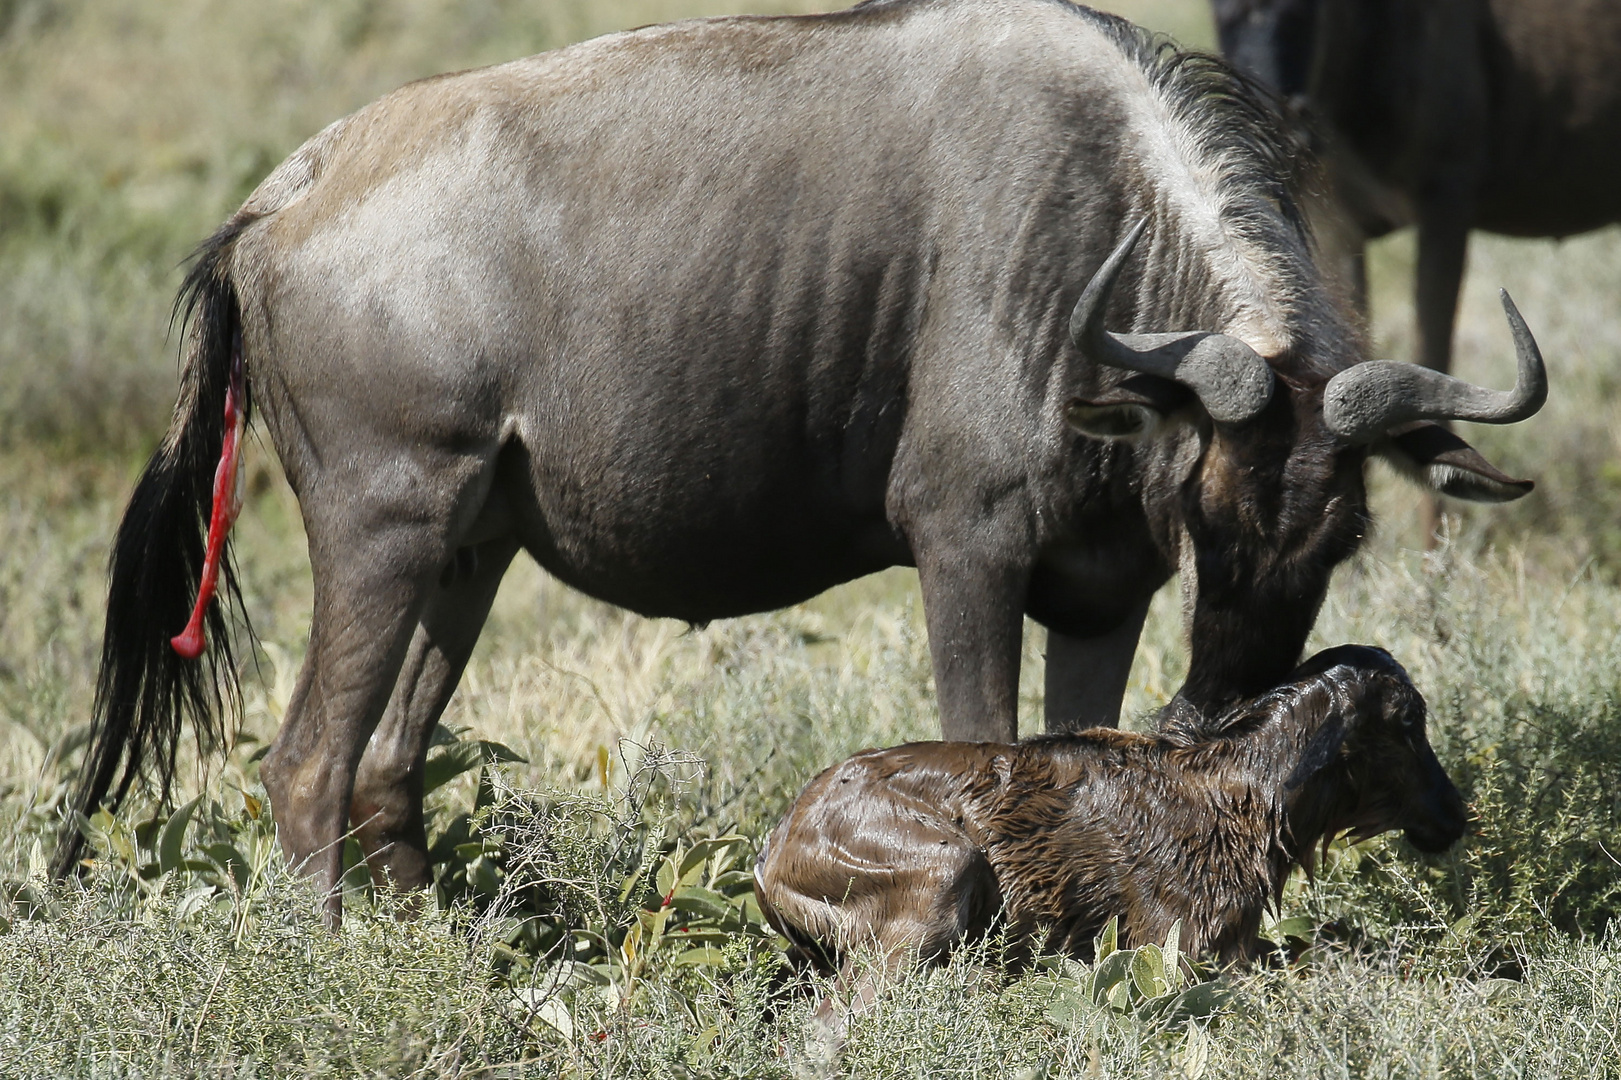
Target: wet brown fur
[[917, 849]]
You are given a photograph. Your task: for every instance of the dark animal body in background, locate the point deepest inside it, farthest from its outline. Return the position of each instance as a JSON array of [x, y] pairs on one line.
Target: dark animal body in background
[[709, 317], [916, 850], [1450, 115]]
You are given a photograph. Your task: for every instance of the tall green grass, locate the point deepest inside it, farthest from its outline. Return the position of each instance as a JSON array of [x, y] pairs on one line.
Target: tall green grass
[[128, 129]]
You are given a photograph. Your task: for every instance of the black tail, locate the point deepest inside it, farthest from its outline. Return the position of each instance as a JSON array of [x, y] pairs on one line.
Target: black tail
[[145, 691]]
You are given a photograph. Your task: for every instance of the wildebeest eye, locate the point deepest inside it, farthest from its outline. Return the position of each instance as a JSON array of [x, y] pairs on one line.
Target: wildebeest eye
[[1111, 421]]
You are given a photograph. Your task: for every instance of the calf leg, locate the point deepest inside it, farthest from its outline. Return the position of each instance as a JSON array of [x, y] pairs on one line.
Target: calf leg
[[1086, 677], [386, 808]]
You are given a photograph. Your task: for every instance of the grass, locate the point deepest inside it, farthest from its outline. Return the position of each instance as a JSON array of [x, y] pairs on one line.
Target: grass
[[128, 129]]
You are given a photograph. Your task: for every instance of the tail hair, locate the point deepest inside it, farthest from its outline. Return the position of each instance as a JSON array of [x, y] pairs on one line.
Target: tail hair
[[145, 692]]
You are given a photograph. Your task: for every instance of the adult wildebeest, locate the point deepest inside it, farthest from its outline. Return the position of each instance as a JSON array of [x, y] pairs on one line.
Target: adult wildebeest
[[915, 850], [1451, 115], [711, 316]]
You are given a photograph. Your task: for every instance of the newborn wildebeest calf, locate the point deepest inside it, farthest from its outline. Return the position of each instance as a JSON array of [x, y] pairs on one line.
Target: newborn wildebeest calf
[[917, 849]]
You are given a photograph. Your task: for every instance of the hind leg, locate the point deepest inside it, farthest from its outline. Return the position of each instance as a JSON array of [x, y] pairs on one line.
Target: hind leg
[[386, 808], [379, 536]]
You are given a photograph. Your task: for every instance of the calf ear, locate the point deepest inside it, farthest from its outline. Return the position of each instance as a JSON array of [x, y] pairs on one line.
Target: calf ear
[[1132, 410], [1441, 461], [1319, 752]]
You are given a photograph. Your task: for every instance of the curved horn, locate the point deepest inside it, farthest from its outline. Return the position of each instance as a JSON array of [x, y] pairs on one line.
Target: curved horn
[[1232, 381], [1366, 400]]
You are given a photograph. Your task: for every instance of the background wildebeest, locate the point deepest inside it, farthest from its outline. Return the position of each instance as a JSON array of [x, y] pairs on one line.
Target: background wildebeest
[[917, 849], [1449, 115], [708, 317]]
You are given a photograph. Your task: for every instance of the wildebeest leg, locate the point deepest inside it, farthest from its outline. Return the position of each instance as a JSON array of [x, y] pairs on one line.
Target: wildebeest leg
[[1443, 244], [386, 809], [973, 605], [1086, 677], [379, 537], [1357, 271]]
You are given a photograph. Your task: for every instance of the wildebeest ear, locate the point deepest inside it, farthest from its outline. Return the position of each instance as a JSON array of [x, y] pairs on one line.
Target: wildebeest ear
[[1319, 752], [1440, 460], [1131, 410]]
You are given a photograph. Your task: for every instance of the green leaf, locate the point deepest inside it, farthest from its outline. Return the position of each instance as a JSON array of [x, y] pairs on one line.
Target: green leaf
[[193, 902], [545, 1008], [698, 1048], [171, 846], [481, 876], [591, 975], [147, 833], [1173, 956], [563, 976], [230, 860], [701, 852], [485, 795], [1195, 1054], [1065, 968], [1197, 1003], [749, 905], [1148, 972], [495, 753], [1109, 973], [667, 875], [629, 883], [685, 936], [1120, 996], [732, 880], [1502, 989], [1104, 945], [654, 922], [1298, 927], [703, 955], [702, 902], [449, 761], [1068, 1008]]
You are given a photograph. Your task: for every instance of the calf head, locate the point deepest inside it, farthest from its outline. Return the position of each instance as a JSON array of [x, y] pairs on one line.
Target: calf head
[[1275, 499], [1368, 767]]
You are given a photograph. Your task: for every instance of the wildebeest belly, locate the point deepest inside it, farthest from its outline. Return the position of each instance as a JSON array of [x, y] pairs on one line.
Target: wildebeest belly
[[700, 540], [728, 451]]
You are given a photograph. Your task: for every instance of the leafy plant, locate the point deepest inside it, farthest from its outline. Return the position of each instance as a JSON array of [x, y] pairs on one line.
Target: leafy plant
[[202, 851], [1151, 986], [700, 914], [1148, 983]]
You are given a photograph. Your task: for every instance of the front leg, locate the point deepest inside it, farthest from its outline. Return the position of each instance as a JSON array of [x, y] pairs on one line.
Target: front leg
[[1086, 677], [973, 602], [1443, 248]]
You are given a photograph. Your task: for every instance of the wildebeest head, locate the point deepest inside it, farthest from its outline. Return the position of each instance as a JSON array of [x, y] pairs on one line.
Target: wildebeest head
[[1276, 499], [1370, 768]]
